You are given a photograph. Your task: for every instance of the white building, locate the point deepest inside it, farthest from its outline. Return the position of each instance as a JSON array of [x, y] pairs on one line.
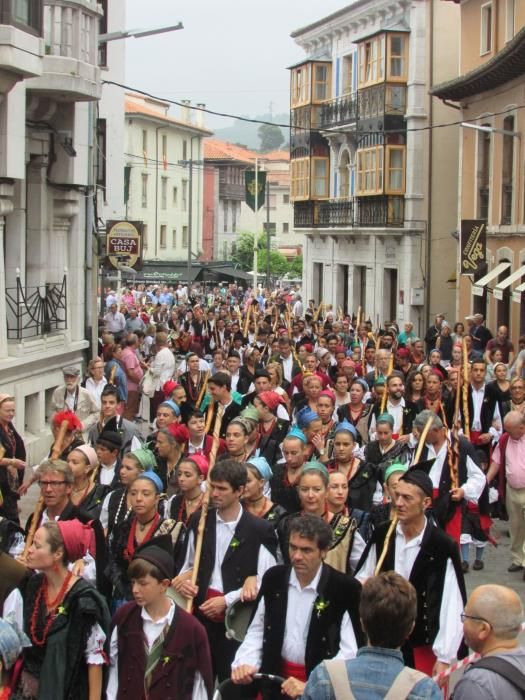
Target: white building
[[369, 181], [49, 78], [159, 150]]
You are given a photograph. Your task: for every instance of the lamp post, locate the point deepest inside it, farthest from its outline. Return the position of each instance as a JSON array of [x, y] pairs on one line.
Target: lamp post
[[190, 163], [157, 129]]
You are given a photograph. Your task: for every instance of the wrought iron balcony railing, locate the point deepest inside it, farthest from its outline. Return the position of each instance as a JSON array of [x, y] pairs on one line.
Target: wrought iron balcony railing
[[339, 112], [36, 311], [352, 212]]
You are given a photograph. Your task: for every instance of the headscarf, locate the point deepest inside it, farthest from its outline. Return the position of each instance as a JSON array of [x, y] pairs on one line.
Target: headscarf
[[154, 478], [172, 406], [271, 399], [315, 466], [168, 388], [305, 416], [89, 453], [73, 422], [5, 397], [250, 412], [347, 427], [386, 418], [180, 432], [78, 538], [296, 432], [201, 462], [393, 468], [329, 394], [262, 466], [145, 457]]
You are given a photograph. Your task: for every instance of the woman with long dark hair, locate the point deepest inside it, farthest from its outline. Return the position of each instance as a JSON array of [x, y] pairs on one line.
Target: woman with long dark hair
[[13, 462]]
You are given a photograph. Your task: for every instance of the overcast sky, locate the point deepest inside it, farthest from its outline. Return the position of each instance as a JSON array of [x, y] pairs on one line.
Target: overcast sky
[[231, 54]]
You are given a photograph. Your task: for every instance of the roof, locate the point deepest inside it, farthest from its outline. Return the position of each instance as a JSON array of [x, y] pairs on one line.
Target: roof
[[506, 65], [276, 155], [143, 106], [222, 150], [327, 18]]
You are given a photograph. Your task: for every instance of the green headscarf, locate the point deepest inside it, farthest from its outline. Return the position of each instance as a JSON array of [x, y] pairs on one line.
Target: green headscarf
[[145, 458]]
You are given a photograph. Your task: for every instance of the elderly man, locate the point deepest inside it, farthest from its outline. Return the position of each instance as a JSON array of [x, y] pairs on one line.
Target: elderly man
[[407, 334], [115, 322], [71, 396], [491, 624], [134, 323], [134, 373], [508, 461], [501, 342]]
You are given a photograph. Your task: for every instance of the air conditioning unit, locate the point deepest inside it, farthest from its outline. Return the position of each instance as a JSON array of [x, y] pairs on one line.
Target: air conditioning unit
[[417, 296]]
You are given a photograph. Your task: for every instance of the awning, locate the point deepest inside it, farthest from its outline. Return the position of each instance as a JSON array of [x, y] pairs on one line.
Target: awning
[[501, 286], [516, 294], [479, 286]]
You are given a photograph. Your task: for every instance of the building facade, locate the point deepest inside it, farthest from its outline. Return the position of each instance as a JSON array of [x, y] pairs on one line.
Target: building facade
[[489, 91], [164, 162], [225, 210], [364, 183], [49, 81]]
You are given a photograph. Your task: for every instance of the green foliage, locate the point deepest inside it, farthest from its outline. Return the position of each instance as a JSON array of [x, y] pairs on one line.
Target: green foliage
[[279, 266], [271, 137]]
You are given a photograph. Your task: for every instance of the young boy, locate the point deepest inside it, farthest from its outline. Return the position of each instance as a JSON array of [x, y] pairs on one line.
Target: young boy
[[157, 650]]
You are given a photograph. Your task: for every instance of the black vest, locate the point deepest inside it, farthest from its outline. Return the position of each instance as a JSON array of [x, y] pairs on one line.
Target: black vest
[[339, 591], [427, 577], [486, 415], [240, 560]]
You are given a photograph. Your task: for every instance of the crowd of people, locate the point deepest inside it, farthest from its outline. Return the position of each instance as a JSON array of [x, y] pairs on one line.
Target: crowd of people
[[247, 484]]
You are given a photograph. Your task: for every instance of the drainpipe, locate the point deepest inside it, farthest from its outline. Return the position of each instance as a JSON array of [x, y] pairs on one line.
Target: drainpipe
[[428, 274]]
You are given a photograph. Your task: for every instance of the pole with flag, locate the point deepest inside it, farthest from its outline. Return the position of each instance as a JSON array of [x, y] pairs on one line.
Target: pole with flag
[[256, 229]]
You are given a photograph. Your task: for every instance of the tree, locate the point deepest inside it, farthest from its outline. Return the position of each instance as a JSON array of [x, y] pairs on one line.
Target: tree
[[243, 256], [270, 136], [278, 263], [296, 267]]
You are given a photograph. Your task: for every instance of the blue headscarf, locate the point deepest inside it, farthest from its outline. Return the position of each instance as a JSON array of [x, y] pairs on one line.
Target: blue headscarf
[[296, 432], [172, 405], [262, 466], [154, 478], [305, 416], [347, 427]]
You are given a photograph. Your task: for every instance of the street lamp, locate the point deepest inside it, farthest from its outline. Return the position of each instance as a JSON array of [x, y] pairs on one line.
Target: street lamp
[[490, 129], [137, 33]]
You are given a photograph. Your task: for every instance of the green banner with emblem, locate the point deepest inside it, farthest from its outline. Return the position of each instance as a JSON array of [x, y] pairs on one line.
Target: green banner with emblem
[[254, 190]]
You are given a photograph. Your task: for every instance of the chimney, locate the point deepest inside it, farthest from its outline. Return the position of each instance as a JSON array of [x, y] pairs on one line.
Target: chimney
[[200, 114], [185, 111]]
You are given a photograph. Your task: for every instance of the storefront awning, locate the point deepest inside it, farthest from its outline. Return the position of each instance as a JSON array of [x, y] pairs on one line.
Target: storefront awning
[[516, 294], [504, 284], [479, 286]]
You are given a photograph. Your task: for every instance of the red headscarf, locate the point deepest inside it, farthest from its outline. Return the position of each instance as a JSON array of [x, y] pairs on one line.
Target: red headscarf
[[79, 538], [179, 432], [271, 399], [168, 387], [200, 461], [73, 422], [329, 394]]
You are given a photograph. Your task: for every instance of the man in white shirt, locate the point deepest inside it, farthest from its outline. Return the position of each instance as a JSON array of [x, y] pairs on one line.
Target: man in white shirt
[[428, 558], [306, 613], [237, 549], [161, 369], [115, 322]]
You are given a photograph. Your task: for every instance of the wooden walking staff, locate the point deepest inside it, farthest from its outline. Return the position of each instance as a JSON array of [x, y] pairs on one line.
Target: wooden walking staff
[[389, 372], [247, 321], [393, 524], [203, 389], [205, 502], [466, 416], [55, 454]]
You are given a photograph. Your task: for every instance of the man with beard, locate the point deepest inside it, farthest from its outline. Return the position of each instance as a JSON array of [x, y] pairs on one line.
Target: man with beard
[[70, 396], [402, 412]]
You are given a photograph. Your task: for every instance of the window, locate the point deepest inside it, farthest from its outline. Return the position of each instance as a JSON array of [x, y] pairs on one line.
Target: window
[[322, 76], [300, 90], [144, 142], [370, 171], [320, 178], [100, 155], [184, 195], [508, 172], [175, 196], [102, 29], [184, 236], [164, 150], [144, 190], [484, 168], [397, 57], [286, 227], [234, 217], [173, 237], [300, 179], [184, 150], [348, 74], [486, 28], [286, 199], [510, 19], [144, 236], [371, 61], [163, 235], [164, 193], [270, 228], [225, 216], [395, 170], [272, 201]]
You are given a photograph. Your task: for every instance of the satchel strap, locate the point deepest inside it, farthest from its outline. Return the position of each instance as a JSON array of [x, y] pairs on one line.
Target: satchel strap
[[336, 669], [404, 684], [504, 668]]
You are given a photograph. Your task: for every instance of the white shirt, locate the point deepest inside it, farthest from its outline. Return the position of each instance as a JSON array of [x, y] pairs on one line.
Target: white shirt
[[396, 411], [450, 631], [95, 389], [162, 367], [107, 474], [192, 449], [287, 364], [476, 480], [478, 396], [152, 630], [296, 627], [223, 536]]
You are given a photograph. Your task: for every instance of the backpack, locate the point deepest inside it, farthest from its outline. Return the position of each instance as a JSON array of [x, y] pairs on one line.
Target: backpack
[[400, 689]]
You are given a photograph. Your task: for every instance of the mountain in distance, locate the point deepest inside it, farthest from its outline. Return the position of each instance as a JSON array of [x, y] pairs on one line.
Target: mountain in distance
[[245, 133]]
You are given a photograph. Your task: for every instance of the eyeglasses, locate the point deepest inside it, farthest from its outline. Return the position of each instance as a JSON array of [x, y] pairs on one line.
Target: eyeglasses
[[51, 484], [464, 617]]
